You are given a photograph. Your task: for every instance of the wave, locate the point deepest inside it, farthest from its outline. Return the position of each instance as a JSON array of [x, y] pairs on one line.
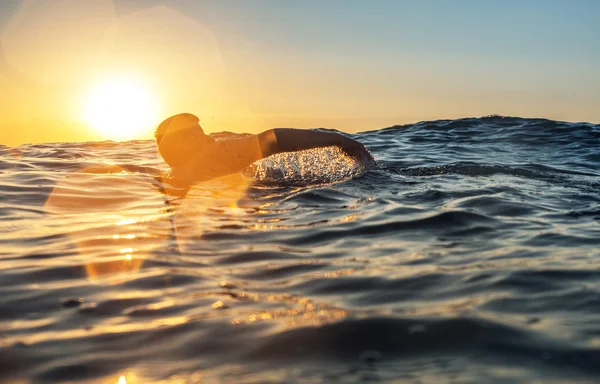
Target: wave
[[469, 254]]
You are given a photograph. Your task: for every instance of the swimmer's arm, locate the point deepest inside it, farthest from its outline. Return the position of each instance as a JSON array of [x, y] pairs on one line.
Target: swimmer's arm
[[281, 140], [233, 155]]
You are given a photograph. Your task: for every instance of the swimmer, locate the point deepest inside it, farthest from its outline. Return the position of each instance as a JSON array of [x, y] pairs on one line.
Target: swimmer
[[195, 156]]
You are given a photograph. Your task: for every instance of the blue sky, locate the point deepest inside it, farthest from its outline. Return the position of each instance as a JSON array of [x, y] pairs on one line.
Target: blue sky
[[539, 29], [539, 52]]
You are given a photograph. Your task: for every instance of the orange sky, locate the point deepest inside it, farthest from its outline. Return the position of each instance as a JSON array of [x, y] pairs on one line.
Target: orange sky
[[53, 55]]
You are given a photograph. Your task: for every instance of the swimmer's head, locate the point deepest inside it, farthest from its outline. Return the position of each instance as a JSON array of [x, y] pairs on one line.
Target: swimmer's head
[[179, 137]]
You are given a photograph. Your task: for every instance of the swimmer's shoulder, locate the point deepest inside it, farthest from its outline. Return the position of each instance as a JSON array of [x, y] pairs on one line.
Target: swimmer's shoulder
[[237, 152]]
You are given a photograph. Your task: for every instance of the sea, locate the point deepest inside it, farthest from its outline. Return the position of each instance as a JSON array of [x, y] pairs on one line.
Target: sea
[[469, 254]]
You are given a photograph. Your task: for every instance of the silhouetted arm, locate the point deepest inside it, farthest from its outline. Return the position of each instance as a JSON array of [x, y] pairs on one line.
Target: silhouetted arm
[[281, 140]]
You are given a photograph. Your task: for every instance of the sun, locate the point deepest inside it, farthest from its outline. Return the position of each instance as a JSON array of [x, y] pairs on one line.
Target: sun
[[121, 108]]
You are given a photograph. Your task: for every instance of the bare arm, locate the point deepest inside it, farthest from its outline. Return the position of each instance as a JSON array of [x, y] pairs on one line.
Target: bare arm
[[233, 155]]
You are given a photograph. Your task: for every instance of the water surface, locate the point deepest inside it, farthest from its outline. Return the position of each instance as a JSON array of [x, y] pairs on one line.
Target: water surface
[[471, 254]]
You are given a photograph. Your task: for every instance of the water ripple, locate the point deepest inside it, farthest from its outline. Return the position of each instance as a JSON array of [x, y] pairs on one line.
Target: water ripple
[[470, 254]]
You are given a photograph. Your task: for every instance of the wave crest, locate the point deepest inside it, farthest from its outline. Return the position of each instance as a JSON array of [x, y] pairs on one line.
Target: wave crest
[[309, 167]]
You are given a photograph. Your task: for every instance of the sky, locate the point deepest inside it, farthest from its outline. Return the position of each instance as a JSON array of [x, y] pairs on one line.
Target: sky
[[73, 70]]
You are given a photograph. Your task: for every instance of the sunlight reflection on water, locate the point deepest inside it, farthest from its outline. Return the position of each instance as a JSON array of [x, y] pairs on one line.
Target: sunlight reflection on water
[[83, 196], [474, 270]]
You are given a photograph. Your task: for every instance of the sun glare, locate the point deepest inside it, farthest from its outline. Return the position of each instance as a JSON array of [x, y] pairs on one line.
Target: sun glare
[[121, 109]]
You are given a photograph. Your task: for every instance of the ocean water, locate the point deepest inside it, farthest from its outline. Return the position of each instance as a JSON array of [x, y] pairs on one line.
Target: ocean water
[[470, 254]]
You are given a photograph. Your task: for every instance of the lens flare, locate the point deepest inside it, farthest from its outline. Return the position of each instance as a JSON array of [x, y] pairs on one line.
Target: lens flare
[[114, 249]]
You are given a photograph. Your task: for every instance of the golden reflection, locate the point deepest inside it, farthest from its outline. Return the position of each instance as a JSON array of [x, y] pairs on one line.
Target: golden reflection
[[335, 274], [30, 324], [195, 377], [107, 328], [126, 222], [92, 190], [226, 285], [221, 191], [129, 236], [350, 218], [111, 191], [451, 307], [314, 315], [99, 269], [302, 311], [209, 205], [95, 197], [271, 224]]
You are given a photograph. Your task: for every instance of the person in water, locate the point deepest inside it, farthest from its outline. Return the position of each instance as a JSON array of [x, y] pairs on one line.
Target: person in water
[[195, 156]]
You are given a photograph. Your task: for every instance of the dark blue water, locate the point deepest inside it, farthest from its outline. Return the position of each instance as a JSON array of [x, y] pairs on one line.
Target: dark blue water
[[472, 254]]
